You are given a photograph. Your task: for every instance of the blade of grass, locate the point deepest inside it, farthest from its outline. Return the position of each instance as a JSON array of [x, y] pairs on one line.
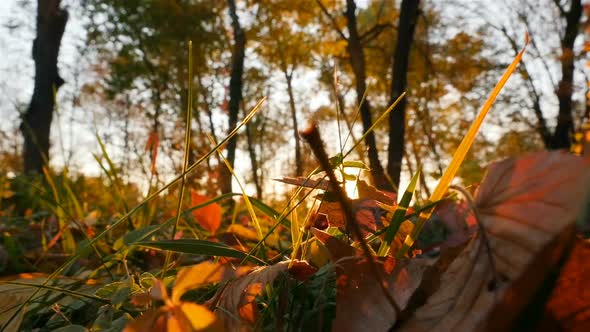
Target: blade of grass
[[68, 242], [199, 247], [459, 156], [187, 136], [398, 216], [381, 118], [59, 290], [246, 198], [187, 144]]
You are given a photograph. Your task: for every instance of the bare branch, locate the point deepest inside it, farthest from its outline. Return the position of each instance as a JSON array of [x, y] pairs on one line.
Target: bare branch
[[560, 8], [332, 19], [374, 32]]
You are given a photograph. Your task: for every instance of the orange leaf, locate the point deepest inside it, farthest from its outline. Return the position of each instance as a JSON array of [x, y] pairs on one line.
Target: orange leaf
[[194, 276], [209, 217], [152, 145], [242, 232], [237, 299], [568, 309], [199, 317], [150, 320]]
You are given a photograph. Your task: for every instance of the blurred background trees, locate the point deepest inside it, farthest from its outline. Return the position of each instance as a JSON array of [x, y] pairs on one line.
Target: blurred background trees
[[338, 61]]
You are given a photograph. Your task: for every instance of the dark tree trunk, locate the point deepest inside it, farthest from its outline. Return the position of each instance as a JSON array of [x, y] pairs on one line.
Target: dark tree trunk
[[36, 122], [357, 61], [298, 160], [235, 92], [253, 160], [565, 122], [397, 119]]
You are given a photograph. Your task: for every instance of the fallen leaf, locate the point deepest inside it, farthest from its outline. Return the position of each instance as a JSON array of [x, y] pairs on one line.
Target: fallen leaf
[[209, 217], [320, 184], [235, 306], [528, 207], [366, 191], [367, 213], [568, 308], [336, 248], [207, 272], [242, 232], [360, 302]]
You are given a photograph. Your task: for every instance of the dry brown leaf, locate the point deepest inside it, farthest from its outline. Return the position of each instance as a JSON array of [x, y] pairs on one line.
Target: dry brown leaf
[[366, 208], [568, 308], [366, 191], [528, 207], [300, 181], [236, 307], [9, 303], [360, 302], [336, 248]]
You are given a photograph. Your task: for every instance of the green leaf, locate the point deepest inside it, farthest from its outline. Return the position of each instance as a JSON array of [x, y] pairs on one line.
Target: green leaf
[[134, 236], [355, 164], [199, 247]]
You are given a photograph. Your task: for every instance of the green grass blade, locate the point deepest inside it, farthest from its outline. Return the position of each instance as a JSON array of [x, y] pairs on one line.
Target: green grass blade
[[398, 216], [199, 247]]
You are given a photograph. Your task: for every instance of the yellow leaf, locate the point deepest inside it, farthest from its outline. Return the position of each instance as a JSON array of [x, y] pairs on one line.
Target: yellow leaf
[[194, 276], [199, 317], [177, 321], [243, 232]]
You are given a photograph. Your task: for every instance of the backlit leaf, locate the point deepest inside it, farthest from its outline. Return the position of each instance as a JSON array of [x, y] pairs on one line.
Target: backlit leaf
[[209, 217], [197, 275]]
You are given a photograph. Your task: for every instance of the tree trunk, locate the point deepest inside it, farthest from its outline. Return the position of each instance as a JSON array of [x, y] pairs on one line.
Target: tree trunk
[[36, 122], [397, 119], [235, 92], [357, 61], [253, 160], [565, 123], [298, 160]]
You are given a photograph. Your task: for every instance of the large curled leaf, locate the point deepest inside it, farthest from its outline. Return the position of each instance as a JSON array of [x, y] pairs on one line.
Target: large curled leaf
[[528, 207], [360, 302]]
